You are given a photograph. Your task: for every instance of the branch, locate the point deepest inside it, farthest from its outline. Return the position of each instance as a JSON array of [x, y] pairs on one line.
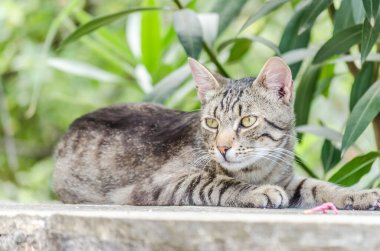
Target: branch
[[207, 49]]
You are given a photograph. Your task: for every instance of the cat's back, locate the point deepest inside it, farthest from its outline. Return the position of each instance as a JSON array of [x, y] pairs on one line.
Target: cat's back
[[137, 124], [118, 145]]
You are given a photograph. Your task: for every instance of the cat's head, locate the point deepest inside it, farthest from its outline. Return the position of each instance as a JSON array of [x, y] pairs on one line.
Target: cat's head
[[247, 120]]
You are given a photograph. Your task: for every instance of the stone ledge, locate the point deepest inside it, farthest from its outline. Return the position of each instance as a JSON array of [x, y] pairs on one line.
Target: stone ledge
[[92, 227]]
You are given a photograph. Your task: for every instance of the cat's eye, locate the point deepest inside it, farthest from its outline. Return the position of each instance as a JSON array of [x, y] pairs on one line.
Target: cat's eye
[[212, 123], [248, 121]]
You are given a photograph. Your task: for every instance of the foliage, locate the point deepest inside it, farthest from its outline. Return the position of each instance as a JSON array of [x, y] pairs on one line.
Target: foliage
[[61, 59]]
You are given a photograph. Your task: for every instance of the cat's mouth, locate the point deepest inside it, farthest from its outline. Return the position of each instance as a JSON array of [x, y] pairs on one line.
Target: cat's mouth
[[237, 165], [233, 165]]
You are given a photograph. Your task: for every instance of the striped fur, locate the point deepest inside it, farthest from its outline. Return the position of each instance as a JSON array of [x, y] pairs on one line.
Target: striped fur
[[144, 154]]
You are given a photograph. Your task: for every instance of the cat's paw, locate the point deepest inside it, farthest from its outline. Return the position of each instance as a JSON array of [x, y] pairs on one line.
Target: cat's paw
[[267, 196], [362, 200]]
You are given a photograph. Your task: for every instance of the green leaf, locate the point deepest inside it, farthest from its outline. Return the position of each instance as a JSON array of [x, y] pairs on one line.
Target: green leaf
[[267, 8], [291, 40], [313, 9], [344, 16], [358, 11], [351, 172], [305, 93], [107, 39], [55, 25], [320, 131], [101, 21], [363, 113], [239, 49], [362, 82], [330, 156], [228, 11], [252, 38], [168, 85], [189, 32], [150, 31], [370, 34], [371, 8], [339, 43]]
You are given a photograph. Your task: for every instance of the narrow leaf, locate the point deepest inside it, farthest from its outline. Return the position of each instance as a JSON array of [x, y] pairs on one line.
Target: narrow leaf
[[101, 21], [298, 55], [313, 10], [163, 89], [371, 8], [228, 11], [189, 31], [321, 131], [363, 113], [340, 42], [239, 49], [373, 57], [267, 8], [150, 37], [291, 40], [351, 172], [330, 156], [357, 11], [83, 70], [363, 81], [210, 24], [370, 34], [253, 38], [344, 16], [305, 93]]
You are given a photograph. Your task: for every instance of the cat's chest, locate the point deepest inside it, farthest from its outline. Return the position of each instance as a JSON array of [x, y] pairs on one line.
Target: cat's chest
[[258, 176]]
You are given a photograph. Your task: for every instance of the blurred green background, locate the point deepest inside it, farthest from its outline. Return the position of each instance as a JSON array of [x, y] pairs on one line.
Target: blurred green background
[[139, 57]]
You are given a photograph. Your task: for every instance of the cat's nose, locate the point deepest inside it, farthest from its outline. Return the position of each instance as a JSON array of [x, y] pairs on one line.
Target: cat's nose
[[223, 150]]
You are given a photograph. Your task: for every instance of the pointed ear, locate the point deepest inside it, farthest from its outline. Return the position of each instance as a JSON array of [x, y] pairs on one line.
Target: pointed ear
[[205, 82], [276, 75]]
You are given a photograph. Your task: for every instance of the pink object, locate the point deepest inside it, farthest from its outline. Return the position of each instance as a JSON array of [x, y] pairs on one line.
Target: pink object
[[324, 208], [378, 204]]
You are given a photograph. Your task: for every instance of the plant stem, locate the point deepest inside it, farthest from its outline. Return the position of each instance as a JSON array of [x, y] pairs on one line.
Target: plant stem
[[376, 130], [208, 50], [213, 58], [178, 3]]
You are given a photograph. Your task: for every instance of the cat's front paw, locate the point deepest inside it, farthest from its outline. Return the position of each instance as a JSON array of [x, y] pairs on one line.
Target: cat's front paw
[[362, 200], [266, 196]]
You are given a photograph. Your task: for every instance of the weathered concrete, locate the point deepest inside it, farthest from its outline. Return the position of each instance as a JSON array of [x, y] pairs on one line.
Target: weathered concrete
[[73, 227]]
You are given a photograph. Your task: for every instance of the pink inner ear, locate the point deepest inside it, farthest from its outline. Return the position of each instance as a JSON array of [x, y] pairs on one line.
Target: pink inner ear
[[204, 80], [276, 74]]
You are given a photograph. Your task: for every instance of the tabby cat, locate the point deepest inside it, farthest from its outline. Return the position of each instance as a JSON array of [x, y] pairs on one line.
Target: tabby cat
[[236, 152]]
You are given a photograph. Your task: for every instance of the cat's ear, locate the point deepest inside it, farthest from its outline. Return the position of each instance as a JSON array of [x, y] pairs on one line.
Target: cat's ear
[[205, 82], [276, 75]]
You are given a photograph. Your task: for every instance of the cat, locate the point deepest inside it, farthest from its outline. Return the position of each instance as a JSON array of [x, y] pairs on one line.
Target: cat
[[237, 151]]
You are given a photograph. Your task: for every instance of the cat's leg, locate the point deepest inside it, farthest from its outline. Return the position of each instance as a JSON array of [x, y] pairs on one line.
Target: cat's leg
[[306, 192], [204, 189]]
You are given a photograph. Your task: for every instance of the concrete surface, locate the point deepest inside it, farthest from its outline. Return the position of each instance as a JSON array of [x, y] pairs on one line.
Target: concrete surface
[[87, 227]]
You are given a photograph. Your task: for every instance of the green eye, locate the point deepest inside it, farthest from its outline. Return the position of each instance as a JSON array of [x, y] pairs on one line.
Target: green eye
[[212, 123], [248, 121]]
